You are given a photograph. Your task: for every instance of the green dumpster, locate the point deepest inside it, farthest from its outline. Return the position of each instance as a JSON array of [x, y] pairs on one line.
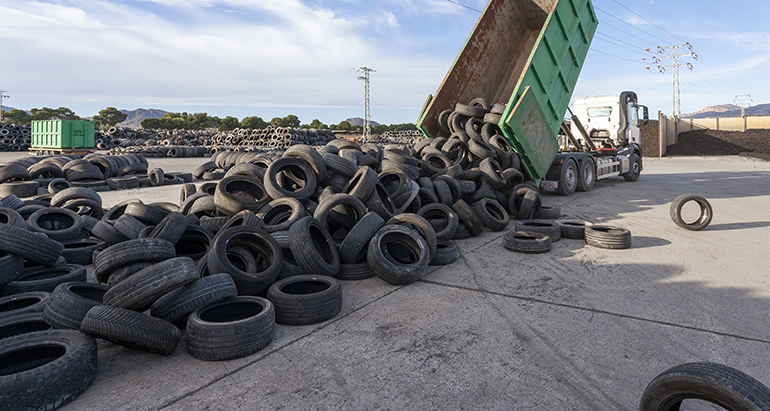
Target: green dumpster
[[62, 134]]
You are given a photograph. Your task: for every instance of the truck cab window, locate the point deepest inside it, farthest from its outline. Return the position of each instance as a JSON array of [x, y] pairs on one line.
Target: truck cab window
[[634, 113], [599, 111]]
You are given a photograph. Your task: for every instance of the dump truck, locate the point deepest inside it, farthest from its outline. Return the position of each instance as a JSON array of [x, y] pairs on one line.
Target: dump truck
[[528, 54]]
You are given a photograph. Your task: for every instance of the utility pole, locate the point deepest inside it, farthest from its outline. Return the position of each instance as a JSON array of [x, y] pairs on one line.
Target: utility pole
[[2, 95], [743, 101], [367, 118], [675, 65]]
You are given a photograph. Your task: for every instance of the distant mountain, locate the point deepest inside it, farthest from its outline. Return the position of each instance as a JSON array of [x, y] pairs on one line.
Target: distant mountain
[[358, 121], [729, 110], [7, 108], [135, 117]]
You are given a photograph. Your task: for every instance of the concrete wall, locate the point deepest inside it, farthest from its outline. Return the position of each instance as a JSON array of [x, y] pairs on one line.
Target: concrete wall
[[669, 128]]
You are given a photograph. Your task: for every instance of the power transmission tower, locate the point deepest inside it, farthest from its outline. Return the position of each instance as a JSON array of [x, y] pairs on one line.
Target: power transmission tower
[[743, 101], [367, 118], [2, 95], [675, 65]]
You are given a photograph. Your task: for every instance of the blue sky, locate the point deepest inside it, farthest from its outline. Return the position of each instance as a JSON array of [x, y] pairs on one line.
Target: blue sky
[[272, 58]]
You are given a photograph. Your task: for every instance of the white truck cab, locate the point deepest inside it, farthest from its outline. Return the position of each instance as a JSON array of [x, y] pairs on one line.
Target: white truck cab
[[610, 121]]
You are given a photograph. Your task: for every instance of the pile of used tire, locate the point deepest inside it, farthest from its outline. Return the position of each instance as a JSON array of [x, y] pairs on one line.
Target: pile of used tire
[[154, 143], [14, 137], [407, 137], [42, 176]]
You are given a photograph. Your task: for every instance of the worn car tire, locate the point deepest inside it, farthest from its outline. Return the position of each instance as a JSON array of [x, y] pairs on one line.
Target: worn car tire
[[131, 329], [305, 299], [231, 328], [313, 247], [176, 305], [22, 324], [46, 369], [139, 291], [398, 254], [129, 252], [35, 247], [24, 303], [549, 227], [527, 242], [706, 212], [70, 302], [605, 236], [575, 229], [260, 244], [45, 279]]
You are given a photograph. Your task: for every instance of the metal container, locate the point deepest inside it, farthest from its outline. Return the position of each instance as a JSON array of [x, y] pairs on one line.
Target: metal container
[[62, 134], [527, 54]]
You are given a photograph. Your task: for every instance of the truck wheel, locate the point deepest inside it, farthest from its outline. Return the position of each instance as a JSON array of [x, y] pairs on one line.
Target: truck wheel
[[568, 181], [715, 383], [587, 180], [635, 168]]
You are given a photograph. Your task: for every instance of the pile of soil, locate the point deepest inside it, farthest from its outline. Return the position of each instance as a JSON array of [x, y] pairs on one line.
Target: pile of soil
[[650, 140], [751, 143]]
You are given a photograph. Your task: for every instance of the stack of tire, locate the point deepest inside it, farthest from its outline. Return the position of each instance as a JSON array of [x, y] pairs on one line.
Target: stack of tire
[[41, 177], [14, 137], [406, 137]]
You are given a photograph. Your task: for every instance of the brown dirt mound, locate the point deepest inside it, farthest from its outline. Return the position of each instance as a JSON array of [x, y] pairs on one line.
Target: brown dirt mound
[[751, 143], [650, 141]]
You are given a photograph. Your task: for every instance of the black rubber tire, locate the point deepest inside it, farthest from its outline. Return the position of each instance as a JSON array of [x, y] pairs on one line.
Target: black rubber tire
[[362, 183], [109, 234], [22, 324], [568, 177], [468, 217], [446, 253], [176, 305], [310, 155], [635, 165], [258, 242], [462, 232], [35, 247], [548, 227], [524, 203], [171, 228], [157, 177], [46, 369], [119, 274], [21, 189], [353, 248], [139, 291], [12, 202], [12, 217], [706, 212], [493, 173], [81, 251], [305, 299], [381, 202], [58, 184], [129, 226], [24, 303], [587, 177], [14, 171], [132, 329], [399, 265], [605, 236], [527, 242], [146, 213], [355, 272], [421, 225], [117, 210], [313, 247], [307, 180], [187, 190], [716, 383], [443, 219], [203, 168], [236, 193], [70, 302], [11, 267], [548, 212], [574, 229], [492, 214], [45, 279], [129, 252], [231, 328], [280, 214], [469, 110]]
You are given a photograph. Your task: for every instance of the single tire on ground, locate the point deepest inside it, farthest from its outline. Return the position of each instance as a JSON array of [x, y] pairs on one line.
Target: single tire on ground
[[305, 299], [706, 212], [132, 329], [527, 242], [605, 236]]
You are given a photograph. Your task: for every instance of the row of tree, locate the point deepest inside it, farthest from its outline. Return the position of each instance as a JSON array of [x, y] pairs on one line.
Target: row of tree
[[111, 116]]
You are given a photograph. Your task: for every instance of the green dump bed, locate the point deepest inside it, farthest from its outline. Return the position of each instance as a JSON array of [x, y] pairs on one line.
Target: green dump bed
[[62, 134], [527, 54]]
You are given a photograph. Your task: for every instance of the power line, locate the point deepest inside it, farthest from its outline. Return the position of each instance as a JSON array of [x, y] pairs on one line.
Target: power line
[[634, 49], [603, 23], [641, 17], [616, 56], [708, 81], [624, 22], [463, 5]]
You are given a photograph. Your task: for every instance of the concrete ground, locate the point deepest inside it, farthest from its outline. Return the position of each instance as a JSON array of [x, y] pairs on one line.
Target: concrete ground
[[578, 328]]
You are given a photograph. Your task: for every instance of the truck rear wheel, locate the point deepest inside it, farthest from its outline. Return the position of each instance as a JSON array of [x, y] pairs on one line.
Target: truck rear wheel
[[635, 168], [587, 180], [568, 181]]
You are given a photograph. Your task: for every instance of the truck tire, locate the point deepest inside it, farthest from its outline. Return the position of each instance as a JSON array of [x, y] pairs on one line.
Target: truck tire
[[46, 369], [706, 213], [587, 180], [132, 329], [527, 242], [716, 383], [229, 329], [606, 236], [305, 299], [568, 180], [635, 168]]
